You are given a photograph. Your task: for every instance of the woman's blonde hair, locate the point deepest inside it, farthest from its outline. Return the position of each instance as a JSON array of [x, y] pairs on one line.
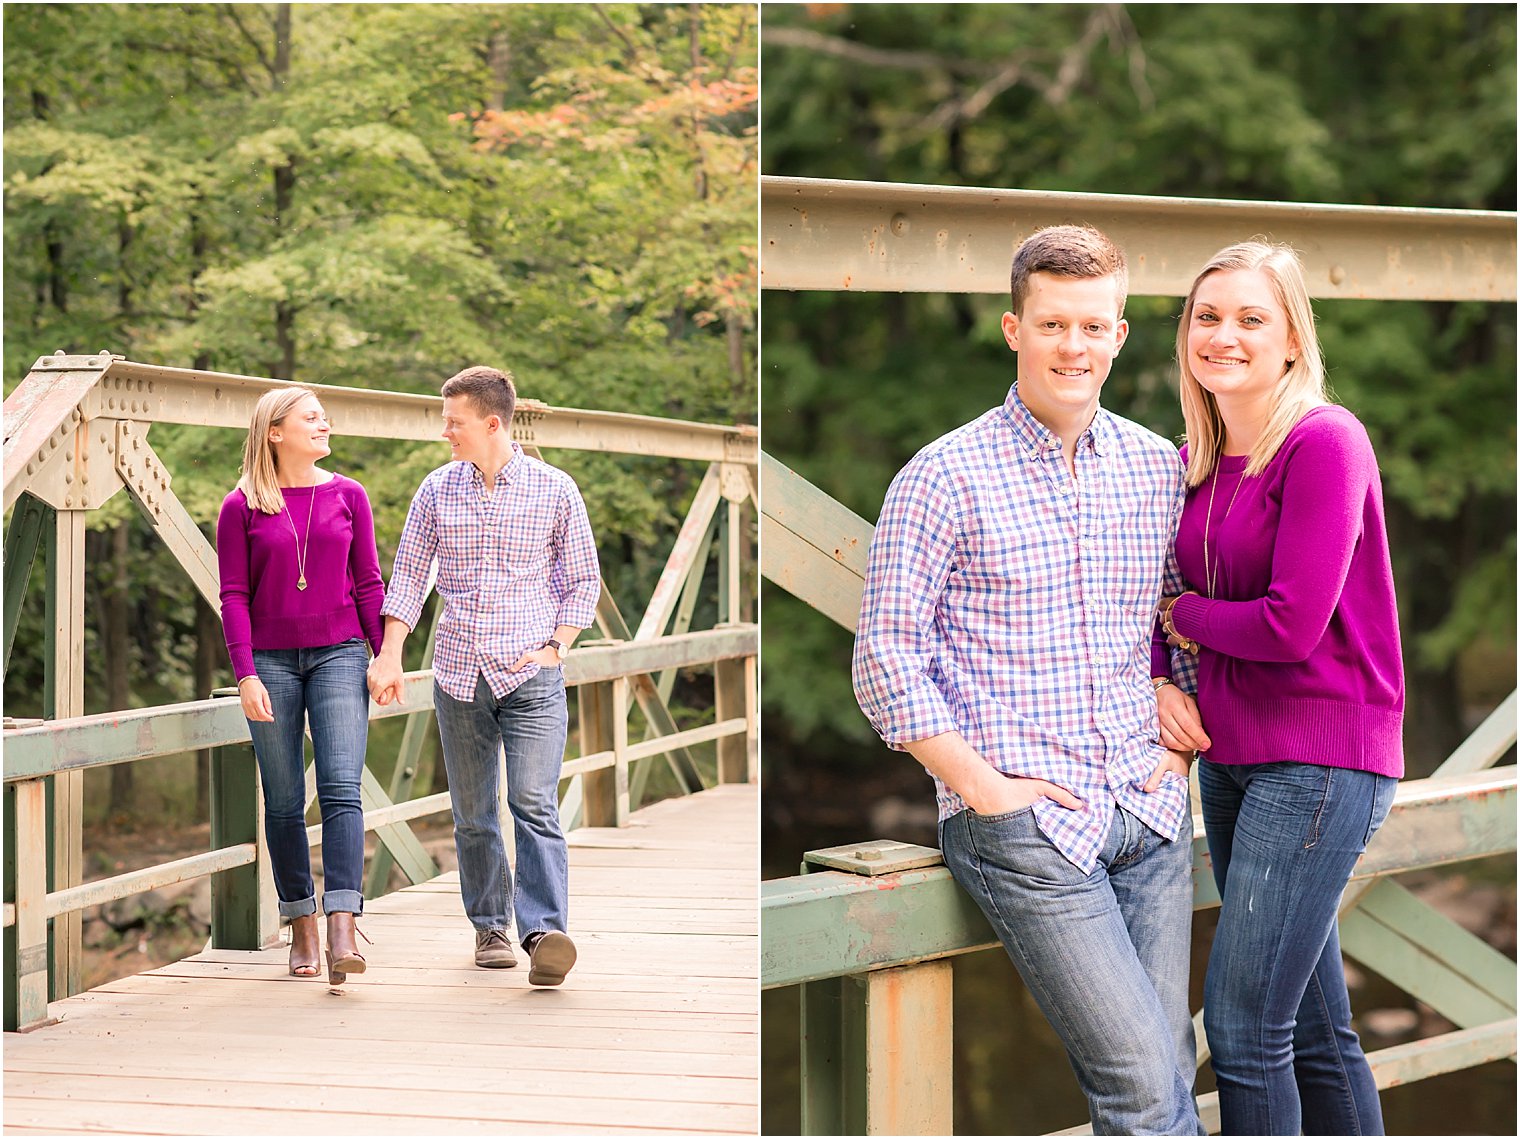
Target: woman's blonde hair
[[259, 481], [1302, 387]]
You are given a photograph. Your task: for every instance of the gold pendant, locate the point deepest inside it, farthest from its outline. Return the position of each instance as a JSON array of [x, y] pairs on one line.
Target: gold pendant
[[301, 582]]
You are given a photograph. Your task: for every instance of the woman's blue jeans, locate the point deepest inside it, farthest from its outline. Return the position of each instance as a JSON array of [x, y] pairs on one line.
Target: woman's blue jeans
[[325, 685], [1283, 838]]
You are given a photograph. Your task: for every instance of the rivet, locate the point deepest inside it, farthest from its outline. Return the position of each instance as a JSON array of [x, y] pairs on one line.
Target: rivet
[[150, 387], [899, 224], [69, 455], [68, 500], [68, 476], [1337, 274], [47, 361], [84, 477], [31, 468], [111, 404], [58, 352], [868, 855]]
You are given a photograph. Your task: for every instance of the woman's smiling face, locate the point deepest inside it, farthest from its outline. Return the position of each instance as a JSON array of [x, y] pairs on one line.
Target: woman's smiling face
[[1239, 340]]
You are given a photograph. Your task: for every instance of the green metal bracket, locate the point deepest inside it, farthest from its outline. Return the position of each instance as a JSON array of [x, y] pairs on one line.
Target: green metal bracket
[[32, 516]]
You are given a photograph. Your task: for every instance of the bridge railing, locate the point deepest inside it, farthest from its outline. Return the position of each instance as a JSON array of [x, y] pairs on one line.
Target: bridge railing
[[77, 432], [867, 930], [241, 888]]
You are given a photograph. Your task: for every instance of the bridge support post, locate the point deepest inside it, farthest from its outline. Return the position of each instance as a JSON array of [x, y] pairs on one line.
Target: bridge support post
[[598, 724], [240, 913], [26, 942], [876, 1053], [733, 681]]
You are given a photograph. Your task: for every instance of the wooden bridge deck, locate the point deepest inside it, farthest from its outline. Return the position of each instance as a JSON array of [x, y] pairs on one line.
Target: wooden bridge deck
[[656, 1029]]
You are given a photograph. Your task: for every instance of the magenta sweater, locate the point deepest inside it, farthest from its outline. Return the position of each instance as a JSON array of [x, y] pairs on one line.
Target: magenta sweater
[[261, 606], [1300, 657]]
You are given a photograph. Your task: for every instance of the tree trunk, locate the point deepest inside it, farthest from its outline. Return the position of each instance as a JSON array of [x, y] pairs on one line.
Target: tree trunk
[[499, 59], [694, 43], [52, 239], [118, 657], [284, 193]]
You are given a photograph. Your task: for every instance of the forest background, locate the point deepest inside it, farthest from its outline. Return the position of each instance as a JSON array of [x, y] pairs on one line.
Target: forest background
[[373, 196], [1376, 105]]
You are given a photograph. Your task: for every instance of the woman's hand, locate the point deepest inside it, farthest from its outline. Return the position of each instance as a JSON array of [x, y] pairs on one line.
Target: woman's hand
[[1177, 761], [255, 697], [1177, 716]]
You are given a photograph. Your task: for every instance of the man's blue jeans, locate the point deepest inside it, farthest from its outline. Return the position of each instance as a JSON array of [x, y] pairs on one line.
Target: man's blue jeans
[[1105, 955], [327, 686], [530, 722], [1284, 838]]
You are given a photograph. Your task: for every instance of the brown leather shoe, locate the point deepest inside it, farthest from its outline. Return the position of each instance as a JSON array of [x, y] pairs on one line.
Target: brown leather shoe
[[551, 956], [493, 949]]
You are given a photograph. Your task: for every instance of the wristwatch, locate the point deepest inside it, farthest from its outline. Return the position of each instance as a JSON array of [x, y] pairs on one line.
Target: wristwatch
[[560, 649]]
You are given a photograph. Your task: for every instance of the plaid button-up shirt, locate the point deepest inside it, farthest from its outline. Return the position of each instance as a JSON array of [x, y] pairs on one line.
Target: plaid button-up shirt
[[512, 566], [1007, 602]]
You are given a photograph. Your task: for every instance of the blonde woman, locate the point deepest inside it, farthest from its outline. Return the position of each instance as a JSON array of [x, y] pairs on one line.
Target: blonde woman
[[301, 597], [1289, 605]]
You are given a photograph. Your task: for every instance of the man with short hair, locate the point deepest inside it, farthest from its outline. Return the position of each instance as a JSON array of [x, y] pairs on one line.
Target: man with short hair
[[518, 580], [1004, 643]]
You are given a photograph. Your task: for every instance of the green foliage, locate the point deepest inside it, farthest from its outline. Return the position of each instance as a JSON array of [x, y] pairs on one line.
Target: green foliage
[[362, 211], [1390, 105]]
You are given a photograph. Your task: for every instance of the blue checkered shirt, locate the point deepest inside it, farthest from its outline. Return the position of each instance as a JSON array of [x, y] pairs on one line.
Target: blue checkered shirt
[[1010, 605], [512, 567]]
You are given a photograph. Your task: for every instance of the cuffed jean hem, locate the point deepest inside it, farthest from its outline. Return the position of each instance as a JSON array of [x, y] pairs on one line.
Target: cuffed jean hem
[[298, 909], [342, 901]]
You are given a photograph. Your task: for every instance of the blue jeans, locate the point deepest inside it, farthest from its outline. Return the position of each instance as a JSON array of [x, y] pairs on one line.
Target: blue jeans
[[530, 722], [1284, 837], [327, 686], [1105, 955]]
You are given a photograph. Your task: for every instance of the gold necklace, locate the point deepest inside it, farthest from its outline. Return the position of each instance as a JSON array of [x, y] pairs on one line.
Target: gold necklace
[[1211, 576], [302, 548]]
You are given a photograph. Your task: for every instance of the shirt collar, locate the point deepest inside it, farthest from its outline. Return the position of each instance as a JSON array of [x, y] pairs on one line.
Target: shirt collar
[[1035, 438], [507, 473]]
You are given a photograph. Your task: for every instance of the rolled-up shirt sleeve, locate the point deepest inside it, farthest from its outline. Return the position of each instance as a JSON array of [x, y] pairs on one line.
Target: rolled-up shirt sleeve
[[575, 577], [910, 560], [415, 553]]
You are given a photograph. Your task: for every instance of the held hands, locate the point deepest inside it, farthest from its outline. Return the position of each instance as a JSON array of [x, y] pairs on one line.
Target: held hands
[[255, 698], [1177, 716], [384, 679]]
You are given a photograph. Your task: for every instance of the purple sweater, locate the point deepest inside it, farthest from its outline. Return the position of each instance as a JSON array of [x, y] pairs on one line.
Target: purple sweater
[[261, 606], [1300, 657]]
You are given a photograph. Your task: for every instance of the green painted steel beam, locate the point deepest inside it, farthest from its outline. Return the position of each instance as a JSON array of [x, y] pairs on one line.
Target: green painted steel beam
[[810, 545], [835, 924], [893, 237], [116, 737], [236, 918], [28, 524], [1430, 956]]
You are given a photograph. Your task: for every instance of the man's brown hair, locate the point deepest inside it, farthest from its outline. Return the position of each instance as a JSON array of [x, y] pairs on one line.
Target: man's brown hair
[[1067, 251], [490, 391]]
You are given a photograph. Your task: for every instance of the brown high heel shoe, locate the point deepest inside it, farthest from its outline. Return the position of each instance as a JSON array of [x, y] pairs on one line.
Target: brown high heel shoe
[[305, 946], [343, 956]]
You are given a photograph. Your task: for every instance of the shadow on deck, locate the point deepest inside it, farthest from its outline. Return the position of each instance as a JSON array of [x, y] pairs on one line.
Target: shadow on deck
[[656, 1029]]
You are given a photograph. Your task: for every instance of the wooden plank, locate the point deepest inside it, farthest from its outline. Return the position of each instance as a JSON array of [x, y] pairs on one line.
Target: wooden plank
[[26, 971], [656, 1030]]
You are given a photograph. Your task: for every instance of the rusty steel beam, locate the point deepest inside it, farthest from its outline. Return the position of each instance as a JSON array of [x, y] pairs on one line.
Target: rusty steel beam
[[894, 237], [119, 737], [131, 390]]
